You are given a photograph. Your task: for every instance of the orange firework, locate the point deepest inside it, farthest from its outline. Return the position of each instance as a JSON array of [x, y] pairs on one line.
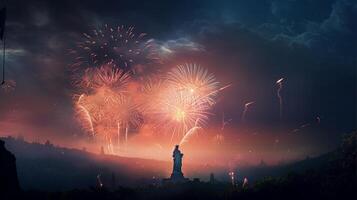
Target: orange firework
[[104, 109], [104, 77], [178, 112], [195, 80], [182, 100], [150, 92]]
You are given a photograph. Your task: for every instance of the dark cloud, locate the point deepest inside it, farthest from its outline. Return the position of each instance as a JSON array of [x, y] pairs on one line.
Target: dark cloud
[[326, 28]]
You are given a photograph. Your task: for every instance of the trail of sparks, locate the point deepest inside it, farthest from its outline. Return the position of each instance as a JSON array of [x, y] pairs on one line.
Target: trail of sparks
[[189, 134], [280, 87], [246, 107], [219, 137], [99, 181], [224, 122], [88, 117], [118, 134], [303, 126], [318, 120], [86, 114]]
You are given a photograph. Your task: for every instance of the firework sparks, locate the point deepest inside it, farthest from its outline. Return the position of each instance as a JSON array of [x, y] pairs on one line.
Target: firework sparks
[[318, 120], [105, 109], [219, 138], [224, 121], [245, 182], [104, 77], [99, 181], [193, 131], [119, 46], [178, 103], [246, 108], [179, 112], [129, 116], [295, 130], [186, 94], [86, 115], [280, 87], [232, 176], [305, 125], [195, 80], [152, 89]]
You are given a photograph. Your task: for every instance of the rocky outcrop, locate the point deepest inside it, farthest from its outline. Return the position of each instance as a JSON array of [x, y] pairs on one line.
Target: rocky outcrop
[[8, 175]]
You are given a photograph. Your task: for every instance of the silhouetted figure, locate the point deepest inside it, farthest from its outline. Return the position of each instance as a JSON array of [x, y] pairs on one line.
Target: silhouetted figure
[[8, 176], [114, 184], [99, 182], [212, 180], [177, 155], [177, 175], [102, 150], [48, 144], [245, 183], [262, 163], [176, 171]]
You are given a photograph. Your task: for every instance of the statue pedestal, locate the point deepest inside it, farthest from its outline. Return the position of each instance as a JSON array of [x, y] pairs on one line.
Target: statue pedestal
[[178, 177]]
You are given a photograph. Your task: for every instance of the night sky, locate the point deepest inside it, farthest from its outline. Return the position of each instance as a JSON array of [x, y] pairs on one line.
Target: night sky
[[251, 44]]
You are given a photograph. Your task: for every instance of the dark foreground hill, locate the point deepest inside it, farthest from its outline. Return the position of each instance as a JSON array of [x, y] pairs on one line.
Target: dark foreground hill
[[335, 179], [331, 176], [51, 168]]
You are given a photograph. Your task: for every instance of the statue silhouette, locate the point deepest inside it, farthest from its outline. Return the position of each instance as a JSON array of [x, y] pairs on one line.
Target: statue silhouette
[[177, 155], [177, 174]]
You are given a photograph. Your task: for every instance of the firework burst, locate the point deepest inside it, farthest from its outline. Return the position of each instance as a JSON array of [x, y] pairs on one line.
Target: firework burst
[[194, 80], [178, 112], [104, 109], [104, 77], [182, 100], [151, 91], [119, 46]]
